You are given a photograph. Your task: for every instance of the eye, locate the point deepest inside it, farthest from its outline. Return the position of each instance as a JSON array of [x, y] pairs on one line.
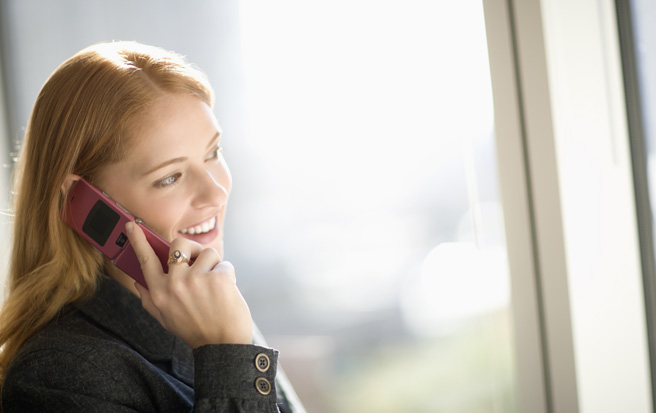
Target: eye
[[215, 153], [169, 180]]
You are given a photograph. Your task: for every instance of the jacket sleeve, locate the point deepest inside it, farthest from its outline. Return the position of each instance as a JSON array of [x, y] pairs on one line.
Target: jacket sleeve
[[235, 378], [228, 378]]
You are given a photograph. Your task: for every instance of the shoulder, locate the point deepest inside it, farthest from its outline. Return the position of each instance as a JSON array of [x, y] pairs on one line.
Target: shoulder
[[72, 337], [71, 357]]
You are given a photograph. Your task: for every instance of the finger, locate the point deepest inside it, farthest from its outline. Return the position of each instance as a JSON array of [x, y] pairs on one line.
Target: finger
[[187, 248], [207, 260], [190, 248], [226, 268], [150, 265]]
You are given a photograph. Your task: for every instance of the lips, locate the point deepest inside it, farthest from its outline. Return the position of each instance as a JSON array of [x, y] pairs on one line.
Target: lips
[[205, 233]]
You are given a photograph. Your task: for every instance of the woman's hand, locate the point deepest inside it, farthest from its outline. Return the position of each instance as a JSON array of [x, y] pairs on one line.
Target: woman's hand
[[199, 303]]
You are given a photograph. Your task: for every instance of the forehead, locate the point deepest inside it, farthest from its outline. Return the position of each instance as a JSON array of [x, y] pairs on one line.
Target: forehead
[[175, 125]]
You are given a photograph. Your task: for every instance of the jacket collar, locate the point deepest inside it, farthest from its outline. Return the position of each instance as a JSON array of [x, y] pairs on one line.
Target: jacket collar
[[120, 312]]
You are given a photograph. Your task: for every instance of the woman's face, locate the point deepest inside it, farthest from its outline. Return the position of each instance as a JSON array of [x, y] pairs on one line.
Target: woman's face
[[174, 177]]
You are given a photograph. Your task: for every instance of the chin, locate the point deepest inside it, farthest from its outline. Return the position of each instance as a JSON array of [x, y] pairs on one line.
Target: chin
[[216, 244], [219, 249]]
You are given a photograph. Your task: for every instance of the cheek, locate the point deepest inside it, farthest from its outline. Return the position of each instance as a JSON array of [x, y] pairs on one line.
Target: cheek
[[162, 216], [169, 221], [223, 176]]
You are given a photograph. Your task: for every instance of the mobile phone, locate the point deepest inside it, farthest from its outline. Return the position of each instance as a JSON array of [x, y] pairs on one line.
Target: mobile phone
[[101, 221]]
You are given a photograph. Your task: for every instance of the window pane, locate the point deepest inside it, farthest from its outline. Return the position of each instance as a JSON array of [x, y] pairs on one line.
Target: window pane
[[368, 224], [636, 29], [365, 224]]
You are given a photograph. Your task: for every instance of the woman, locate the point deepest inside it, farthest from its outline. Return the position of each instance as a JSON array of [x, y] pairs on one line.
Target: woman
[[77, 333]]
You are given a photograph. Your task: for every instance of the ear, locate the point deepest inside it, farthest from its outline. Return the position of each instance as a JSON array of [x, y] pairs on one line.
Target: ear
[[68, 182]]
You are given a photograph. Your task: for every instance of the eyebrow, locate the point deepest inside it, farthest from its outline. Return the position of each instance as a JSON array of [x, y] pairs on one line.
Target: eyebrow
[[176, 160]]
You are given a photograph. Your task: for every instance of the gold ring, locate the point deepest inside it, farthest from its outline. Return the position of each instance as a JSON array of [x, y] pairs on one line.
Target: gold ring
[[177, 257]]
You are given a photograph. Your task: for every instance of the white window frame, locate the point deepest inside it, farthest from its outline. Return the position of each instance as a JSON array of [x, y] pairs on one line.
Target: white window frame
[[567, 191]]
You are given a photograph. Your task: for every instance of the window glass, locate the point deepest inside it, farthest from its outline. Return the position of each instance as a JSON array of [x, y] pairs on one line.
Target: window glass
[[369, 217], [638, 44], [643, 15]]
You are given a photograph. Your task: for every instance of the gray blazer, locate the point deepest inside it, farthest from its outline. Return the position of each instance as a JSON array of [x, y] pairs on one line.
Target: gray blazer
[[109, 355]]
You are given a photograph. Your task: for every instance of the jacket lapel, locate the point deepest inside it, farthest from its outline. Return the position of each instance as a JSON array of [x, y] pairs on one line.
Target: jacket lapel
[[120, 312]]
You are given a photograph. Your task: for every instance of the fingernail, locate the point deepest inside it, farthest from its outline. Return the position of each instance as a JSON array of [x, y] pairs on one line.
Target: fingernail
[[129, 227]]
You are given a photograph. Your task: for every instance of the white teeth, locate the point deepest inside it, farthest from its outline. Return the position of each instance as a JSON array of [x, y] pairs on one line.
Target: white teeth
[[200, 229]]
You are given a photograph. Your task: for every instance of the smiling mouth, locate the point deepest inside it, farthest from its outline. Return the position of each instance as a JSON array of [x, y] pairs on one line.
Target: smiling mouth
[[202, 228]]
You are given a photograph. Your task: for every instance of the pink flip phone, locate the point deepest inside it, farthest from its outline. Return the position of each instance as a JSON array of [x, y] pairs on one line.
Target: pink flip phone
[[101, 221]]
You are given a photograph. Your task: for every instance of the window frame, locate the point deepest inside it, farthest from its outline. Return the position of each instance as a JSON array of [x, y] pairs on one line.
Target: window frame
[[563, 362]]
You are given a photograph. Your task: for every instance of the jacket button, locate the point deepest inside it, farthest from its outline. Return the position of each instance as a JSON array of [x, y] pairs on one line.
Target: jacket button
[[263, 386], [262, 362]]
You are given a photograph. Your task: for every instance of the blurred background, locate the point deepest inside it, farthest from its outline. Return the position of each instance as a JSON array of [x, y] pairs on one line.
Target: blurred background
[[365, 223]]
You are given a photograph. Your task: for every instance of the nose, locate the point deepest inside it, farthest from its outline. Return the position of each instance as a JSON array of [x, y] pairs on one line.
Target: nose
[[211, 188]]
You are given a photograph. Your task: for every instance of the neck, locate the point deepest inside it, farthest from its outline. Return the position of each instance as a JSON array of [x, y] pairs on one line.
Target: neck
[[123, 279]]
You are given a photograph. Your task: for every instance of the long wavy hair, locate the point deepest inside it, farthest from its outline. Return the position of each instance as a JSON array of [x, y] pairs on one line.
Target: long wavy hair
[[84, 119]]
